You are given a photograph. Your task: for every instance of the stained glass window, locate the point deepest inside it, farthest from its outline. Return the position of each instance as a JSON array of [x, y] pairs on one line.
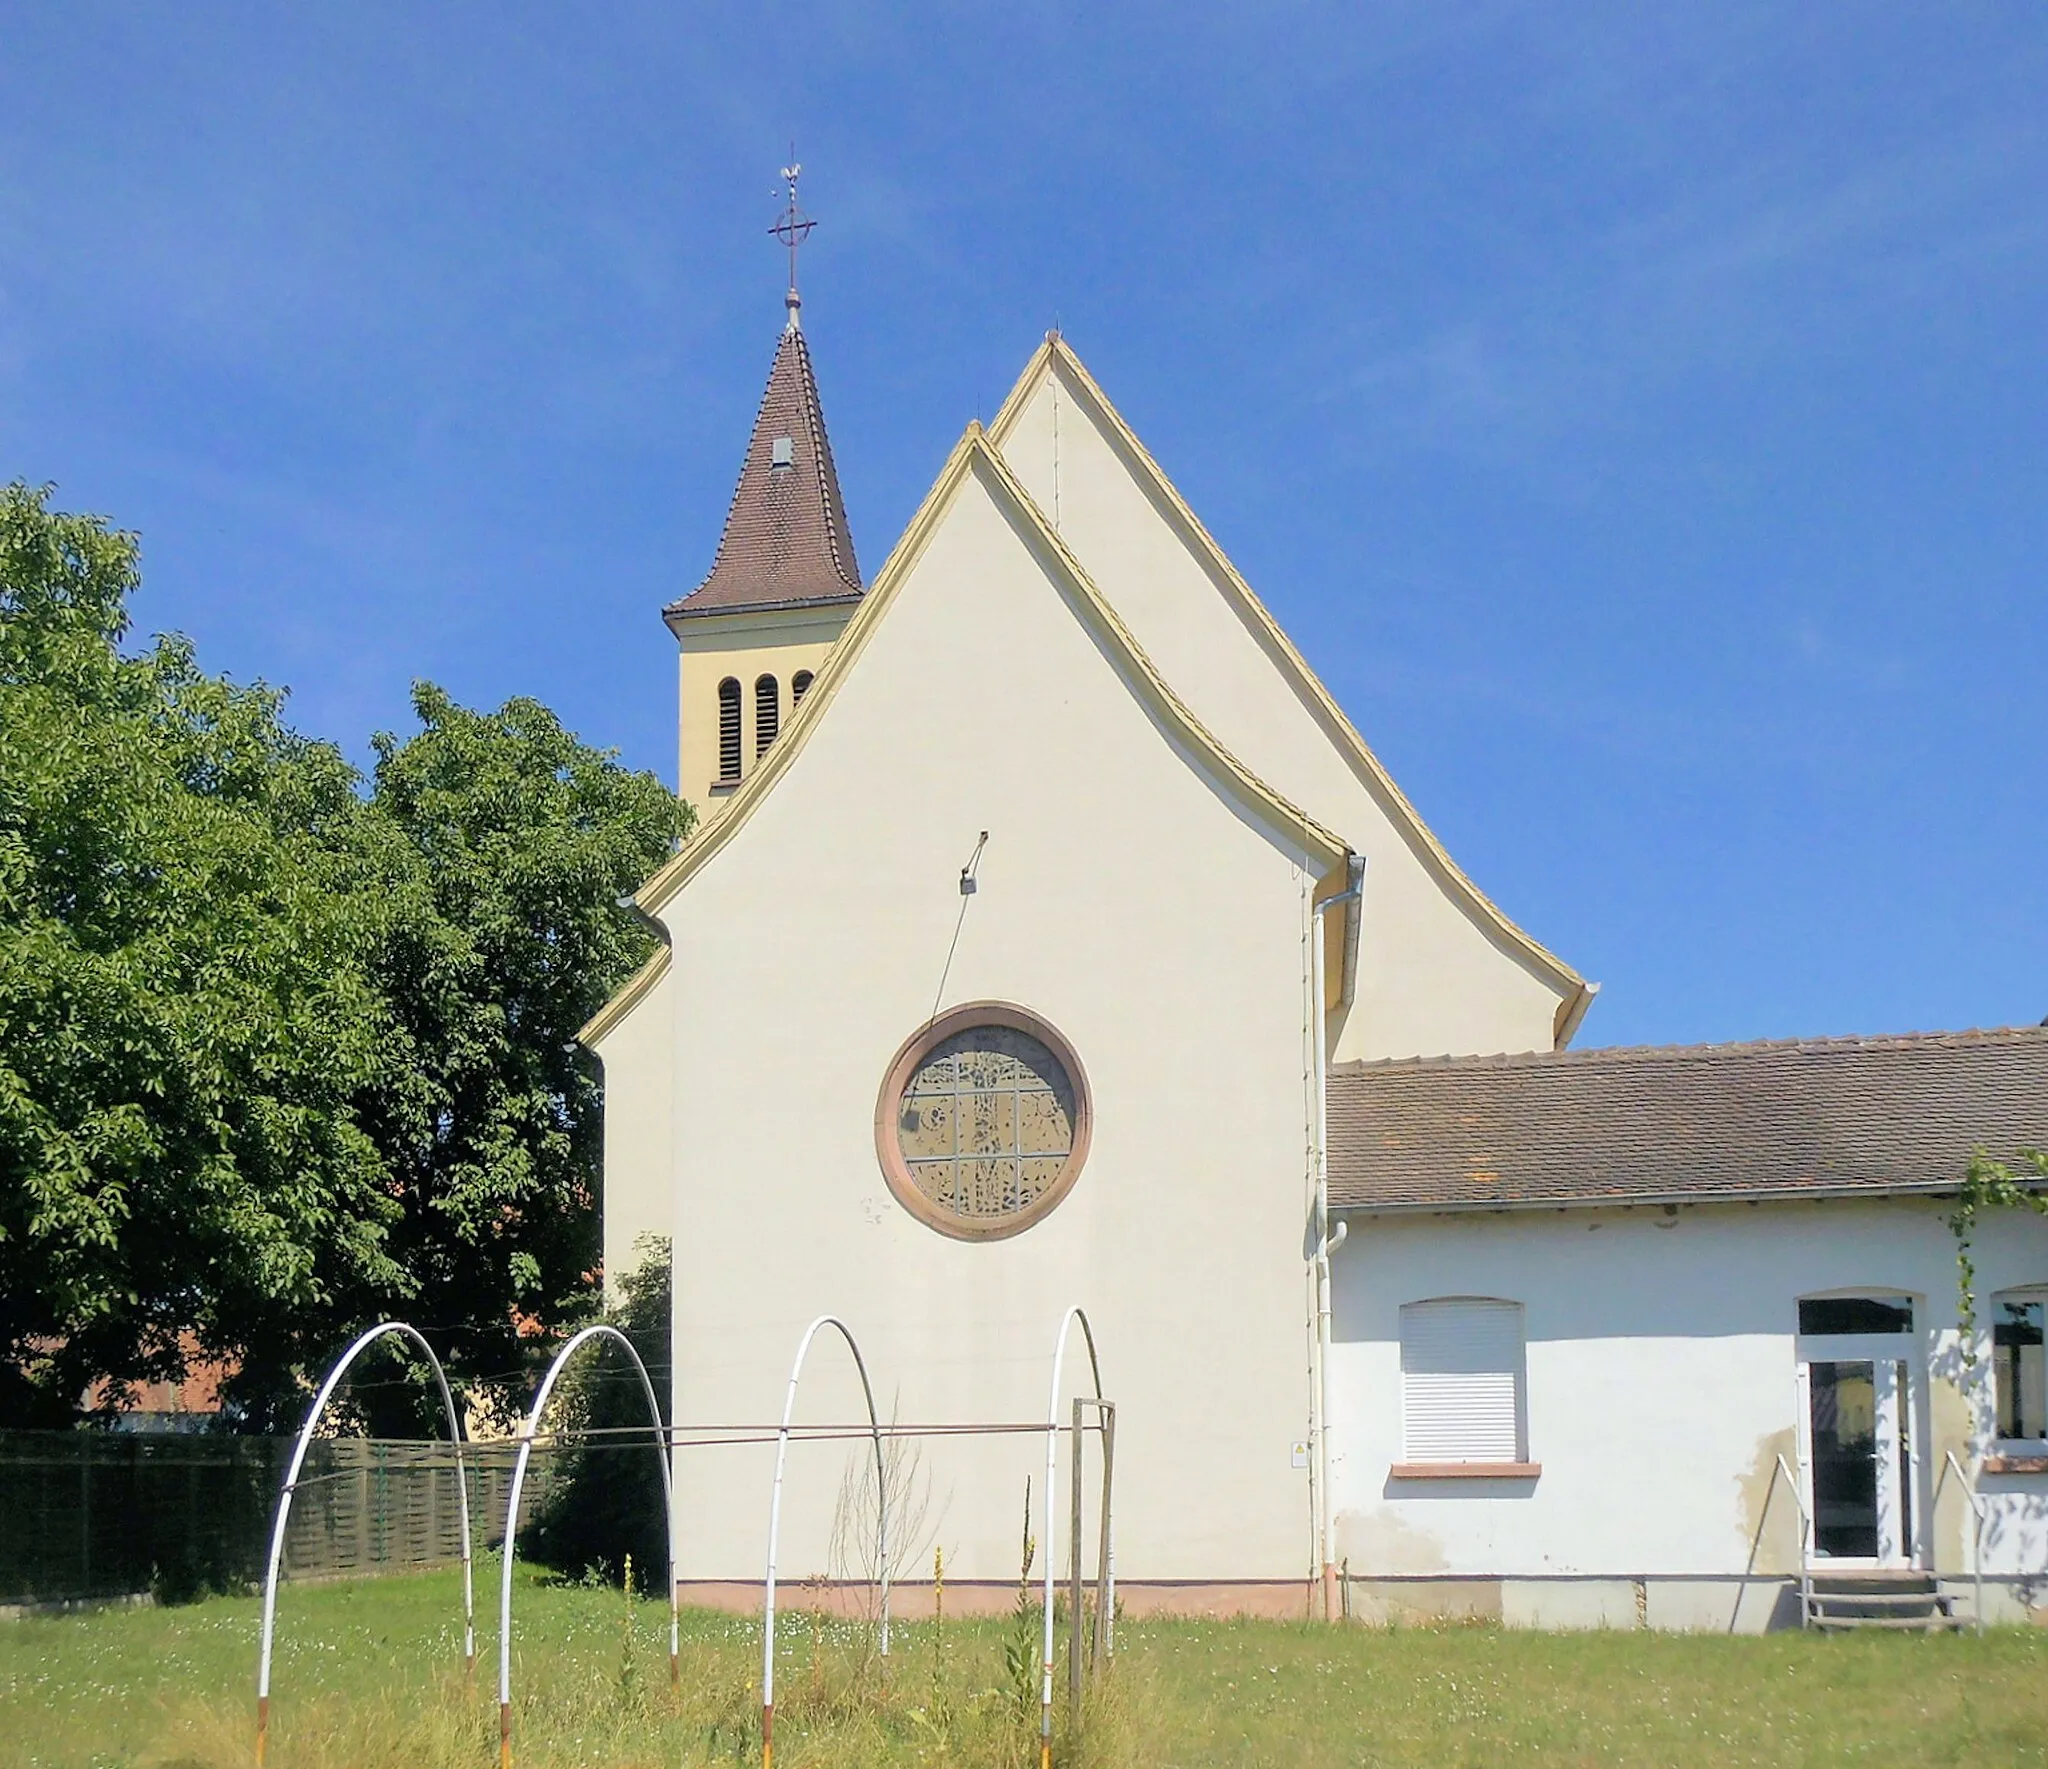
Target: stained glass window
[[986, 1123]]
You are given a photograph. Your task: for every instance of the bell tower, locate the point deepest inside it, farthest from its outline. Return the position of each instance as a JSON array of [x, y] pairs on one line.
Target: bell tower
[[784, 582]]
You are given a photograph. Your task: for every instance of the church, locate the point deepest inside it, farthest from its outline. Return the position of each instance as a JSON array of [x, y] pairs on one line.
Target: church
[[1049, 936]]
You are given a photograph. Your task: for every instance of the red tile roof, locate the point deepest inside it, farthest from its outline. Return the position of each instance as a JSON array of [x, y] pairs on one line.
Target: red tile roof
[[786, 542], [1817, 1118]]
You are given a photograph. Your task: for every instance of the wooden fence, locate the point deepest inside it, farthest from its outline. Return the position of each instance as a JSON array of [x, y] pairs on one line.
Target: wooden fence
[[99, 1514]]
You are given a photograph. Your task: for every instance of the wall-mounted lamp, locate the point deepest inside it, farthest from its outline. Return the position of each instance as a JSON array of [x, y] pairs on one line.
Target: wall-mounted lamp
[[968, 883]]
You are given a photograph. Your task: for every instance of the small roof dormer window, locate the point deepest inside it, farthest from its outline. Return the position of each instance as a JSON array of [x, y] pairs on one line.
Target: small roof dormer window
[[782, 452]]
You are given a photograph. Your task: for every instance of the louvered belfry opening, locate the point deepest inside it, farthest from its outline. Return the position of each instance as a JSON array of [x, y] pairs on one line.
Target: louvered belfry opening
[[767, 712], [799, 686], [729, 728]]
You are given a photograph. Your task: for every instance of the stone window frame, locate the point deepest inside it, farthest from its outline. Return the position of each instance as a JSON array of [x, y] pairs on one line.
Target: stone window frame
[[910, 1057]]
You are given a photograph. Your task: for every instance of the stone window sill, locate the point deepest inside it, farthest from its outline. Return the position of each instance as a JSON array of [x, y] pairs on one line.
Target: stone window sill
[[1466, 1470], [719, 787]]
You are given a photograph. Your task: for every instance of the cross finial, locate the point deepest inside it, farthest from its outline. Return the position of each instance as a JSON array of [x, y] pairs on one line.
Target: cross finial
[[792, 228]]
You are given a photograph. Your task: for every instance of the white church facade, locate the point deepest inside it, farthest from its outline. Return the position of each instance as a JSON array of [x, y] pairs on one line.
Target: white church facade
[[1050, 936]]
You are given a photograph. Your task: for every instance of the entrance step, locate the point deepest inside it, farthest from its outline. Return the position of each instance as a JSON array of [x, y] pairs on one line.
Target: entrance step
[[1879, 1600]]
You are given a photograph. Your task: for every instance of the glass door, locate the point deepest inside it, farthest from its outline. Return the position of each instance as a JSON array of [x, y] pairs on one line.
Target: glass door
[[1859, 1432], [1841, 1413], [1860, 1458], [1860, 1368]]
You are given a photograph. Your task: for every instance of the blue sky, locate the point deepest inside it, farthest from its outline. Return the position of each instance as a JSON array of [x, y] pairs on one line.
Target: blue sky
[[1638, 415]]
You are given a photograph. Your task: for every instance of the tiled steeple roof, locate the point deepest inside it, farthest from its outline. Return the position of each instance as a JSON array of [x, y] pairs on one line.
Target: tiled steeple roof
[[786, 542]]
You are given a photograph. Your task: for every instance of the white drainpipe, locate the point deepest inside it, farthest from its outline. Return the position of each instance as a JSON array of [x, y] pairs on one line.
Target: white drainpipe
[[1327, 1241]]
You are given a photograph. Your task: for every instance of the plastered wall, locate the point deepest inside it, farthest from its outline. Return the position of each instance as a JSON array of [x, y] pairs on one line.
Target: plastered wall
[[1434, 977], [639, 1060], [1660, 1385], [746, 647], [1161, 931]]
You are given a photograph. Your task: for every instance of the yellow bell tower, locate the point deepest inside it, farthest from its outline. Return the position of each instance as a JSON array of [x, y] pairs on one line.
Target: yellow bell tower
[[785, 581]]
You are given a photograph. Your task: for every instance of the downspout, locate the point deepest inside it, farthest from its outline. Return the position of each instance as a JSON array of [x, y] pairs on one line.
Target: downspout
[[1353, 900], [630, 903], [1327, 1242]]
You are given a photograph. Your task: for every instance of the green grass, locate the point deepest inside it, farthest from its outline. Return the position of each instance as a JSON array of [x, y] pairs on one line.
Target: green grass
[[368, 1675]]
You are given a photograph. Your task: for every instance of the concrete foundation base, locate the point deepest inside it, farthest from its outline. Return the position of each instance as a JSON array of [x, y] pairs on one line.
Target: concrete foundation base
[[1676, 1602], [1278, 1600], [1718, 1605]]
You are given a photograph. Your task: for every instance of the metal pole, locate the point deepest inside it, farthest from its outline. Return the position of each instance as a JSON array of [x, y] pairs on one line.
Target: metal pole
[[1074, 1617], [1052, 1433], [1104, 1596], [1977, 1568]]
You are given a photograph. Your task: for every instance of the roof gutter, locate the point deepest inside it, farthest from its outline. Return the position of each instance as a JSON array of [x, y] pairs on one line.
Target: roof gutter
[[1352, 896], [1909, 1188], [1570, 1012], [678, 612]]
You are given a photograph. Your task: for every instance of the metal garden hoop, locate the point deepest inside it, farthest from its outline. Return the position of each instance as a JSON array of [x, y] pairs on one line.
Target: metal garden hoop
[[796, 1370], [1052, 1438], [526, 1438], [291, 1482]]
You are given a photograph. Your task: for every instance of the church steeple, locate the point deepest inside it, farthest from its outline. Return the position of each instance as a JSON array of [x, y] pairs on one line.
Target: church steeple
[[786, 543], [785, 579]]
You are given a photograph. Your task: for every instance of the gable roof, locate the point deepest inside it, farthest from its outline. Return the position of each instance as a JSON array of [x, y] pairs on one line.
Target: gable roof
[[1054, 356], [786, 543], [973, 456], [1841, 1117]]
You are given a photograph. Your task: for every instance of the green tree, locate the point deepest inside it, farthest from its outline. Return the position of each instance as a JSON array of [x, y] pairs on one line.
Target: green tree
[[186, 1004], [508, 936], [276, 1057]]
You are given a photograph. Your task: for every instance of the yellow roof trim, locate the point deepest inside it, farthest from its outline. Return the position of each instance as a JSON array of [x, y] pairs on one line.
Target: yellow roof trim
[[971, 452], [1277, 810], [634, 991], [1055, 353], [715, 831]]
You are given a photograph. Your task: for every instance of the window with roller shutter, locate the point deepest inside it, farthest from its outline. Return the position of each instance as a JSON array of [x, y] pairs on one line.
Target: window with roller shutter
[[1461, 1380]]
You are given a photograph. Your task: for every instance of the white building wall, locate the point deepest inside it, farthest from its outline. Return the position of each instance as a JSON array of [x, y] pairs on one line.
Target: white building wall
[[1661, 1387], [1436, 976], [1161, 931], [638, 1062]]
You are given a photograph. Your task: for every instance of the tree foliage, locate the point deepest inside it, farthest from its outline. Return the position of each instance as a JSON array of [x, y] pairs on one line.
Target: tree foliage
[[506, 939], [185, 1009], [277, 1056]]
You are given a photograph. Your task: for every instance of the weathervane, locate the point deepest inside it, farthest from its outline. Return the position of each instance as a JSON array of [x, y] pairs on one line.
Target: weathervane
[[792, 228]]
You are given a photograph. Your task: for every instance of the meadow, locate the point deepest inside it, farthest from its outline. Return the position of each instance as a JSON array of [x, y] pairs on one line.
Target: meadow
[[368, 1675]]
